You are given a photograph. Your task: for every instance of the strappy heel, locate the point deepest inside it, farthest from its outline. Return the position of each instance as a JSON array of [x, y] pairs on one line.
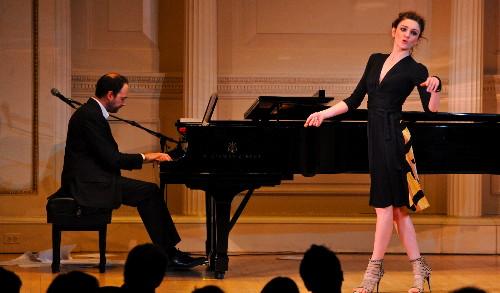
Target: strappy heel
[[421, 273], [373, 274]]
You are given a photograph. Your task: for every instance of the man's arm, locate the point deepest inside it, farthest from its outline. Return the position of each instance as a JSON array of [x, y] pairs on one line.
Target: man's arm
[[101, 144]]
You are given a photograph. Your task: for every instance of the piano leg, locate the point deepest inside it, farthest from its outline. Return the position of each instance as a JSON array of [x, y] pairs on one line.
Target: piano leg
[[210, 226], [221, 203], [219, 223]]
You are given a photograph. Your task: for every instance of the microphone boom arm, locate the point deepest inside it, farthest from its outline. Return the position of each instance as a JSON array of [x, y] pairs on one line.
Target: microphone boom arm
[[163, 138]]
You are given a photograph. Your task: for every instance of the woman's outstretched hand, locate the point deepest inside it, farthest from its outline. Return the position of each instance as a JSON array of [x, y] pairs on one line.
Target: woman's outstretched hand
[[315, 119], [432, 83]]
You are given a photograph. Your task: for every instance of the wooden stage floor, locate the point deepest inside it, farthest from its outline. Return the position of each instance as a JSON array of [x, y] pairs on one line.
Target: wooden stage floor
[[249, 273]]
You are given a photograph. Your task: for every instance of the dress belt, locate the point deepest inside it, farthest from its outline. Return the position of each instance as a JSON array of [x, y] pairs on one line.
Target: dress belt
[[391, 117]]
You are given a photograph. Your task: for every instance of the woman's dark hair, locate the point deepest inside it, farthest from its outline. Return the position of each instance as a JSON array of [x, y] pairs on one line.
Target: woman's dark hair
[[410, 15], [110, 82]]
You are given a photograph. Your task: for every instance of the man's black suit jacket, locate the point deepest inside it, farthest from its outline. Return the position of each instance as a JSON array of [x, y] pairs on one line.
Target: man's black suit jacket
[[92, 161]]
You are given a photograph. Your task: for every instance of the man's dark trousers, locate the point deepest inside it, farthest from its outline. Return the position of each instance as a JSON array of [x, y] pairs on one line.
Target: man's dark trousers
[[153, 210]]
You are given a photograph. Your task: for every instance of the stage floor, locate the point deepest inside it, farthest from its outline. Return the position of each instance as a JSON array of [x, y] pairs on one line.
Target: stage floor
[[249, 273]]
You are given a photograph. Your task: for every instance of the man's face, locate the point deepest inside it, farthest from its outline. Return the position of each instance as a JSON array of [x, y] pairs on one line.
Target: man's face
[[118, 101]]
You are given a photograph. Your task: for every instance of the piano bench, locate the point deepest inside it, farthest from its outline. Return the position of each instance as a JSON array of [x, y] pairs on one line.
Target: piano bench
[[65, 214]]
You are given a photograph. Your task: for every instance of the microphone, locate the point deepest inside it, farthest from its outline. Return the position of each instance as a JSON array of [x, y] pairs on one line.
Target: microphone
[[55, 92]]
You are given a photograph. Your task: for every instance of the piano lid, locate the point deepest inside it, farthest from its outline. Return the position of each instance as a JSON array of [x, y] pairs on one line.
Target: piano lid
[[285, 108], [299, 108]]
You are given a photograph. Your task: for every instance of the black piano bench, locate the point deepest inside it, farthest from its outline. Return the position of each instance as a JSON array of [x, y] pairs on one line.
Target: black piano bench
[[65, 214]]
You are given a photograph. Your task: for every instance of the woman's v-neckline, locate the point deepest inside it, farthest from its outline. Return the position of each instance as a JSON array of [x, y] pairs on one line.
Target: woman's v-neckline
[[390, 69]]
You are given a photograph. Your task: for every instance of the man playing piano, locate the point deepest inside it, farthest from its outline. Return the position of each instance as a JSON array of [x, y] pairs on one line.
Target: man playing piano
[[388, 80], [92, 164]]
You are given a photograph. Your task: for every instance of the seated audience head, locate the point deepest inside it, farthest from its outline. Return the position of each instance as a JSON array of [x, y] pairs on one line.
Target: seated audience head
[[74, 282], [468, 290], [321, 271], [280, 285], [9, 281], [144, 268], [111, 289], [208, 289]]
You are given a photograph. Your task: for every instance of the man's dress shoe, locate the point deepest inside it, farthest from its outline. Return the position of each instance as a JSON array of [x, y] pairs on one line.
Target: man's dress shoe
[[182, 260]]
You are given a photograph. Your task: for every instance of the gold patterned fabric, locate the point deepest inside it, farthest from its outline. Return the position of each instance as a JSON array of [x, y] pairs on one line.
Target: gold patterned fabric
[[417, 199]]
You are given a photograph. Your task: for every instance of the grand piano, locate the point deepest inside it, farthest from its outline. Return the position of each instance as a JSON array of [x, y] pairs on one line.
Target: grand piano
[[226, 158]]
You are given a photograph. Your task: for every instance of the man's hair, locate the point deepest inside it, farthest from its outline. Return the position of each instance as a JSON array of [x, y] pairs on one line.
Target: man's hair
[[320, 270], [280, 285], [9, 281], [74, 281], [208, 289], [469, 290], [110, 82], [145, 267]]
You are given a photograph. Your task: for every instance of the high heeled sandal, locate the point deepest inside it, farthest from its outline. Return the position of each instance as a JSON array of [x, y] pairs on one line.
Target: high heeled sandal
[[421, 273], [373, 274]]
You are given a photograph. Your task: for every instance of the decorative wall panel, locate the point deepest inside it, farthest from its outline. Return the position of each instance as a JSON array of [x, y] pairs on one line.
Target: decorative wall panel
[[19, 96], [298, 37]]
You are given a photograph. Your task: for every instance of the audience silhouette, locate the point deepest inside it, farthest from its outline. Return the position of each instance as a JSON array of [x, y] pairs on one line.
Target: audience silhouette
[[280, 285], [9, 281], [208, 289], [144, 268], [110, 289], [74, 282], [469, 290], [321, 271]]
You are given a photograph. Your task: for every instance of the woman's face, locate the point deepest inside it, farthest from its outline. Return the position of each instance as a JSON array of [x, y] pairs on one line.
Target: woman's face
[[406, 34]]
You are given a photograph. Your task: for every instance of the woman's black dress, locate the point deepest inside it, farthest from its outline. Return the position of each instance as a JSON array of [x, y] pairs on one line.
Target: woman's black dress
[[386, 150]]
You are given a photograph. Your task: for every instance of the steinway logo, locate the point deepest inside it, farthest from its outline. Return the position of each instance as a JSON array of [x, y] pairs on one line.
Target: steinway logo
[[227, 156], [232, 147], [230, 151]]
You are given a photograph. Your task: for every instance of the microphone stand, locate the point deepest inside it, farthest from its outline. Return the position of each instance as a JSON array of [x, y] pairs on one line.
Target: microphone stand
[[163, 138]]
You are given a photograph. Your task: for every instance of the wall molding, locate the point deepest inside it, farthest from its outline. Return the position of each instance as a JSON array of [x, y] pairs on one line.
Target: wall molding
[[142, 85], [166, 84], [491, 84], [437, 234], [251, 86], [419, 219]]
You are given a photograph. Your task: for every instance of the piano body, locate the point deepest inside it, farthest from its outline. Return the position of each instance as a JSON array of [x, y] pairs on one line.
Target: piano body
[[224, 158]]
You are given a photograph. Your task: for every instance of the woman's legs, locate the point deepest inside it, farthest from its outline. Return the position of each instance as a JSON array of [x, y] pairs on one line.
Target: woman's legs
[[406, 232], [383, 231], [375, 269]]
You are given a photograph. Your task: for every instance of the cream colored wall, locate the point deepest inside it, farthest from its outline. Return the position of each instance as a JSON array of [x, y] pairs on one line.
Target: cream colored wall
[[264, 48], [23, 213], [119, 35], [16, 137], [491, 189], [492, 37]]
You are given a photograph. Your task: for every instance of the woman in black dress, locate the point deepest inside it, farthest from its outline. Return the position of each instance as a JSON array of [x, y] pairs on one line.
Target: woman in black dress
[[388, 80]]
